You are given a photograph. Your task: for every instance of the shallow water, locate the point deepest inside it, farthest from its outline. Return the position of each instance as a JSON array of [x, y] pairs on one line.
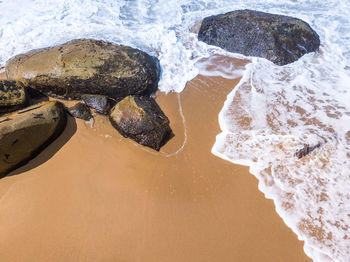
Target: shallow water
[[265, 125], [274, 112]]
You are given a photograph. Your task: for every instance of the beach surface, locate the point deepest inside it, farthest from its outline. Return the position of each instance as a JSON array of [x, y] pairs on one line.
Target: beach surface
[[95, 196]]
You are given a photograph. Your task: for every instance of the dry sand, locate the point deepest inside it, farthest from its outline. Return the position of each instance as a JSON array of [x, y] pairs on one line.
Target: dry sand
[[95, 196]]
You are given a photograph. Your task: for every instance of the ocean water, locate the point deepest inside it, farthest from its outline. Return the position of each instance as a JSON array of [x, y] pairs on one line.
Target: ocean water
[[273, 112]]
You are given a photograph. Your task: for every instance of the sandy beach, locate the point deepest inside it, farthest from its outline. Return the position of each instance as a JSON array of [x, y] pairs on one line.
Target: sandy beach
[[95, 196]]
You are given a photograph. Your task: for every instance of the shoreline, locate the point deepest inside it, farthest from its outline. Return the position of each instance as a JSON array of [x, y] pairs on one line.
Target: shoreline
[[96, 196]]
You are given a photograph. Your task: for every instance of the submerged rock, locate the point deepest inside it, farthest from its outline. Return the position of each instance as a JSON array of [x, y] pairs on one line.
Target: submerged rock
[[80, 111], [280, 39], [13, 96], [86, 66], [141, 119], [101, 104], [307, 149], [25, 133]]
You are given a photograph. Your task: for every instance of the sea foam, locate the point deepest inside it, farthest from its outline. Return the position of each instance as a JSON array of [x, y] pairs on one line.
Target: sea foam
[[273, 113], [276, 111]]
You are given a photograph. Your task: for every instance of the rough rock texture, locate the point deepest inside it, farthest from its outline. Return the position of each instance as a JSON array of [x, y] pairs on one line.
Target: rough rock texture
[[280, 39], [24, 133], [101, 104], [86, 66], [13, 96], [141, 119], [81, 111]]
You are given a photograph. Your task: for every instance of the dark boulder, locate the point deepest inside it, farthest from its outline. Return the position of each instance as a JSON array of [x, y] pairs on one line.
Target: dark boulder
[[80, 111], [86, 66], [25, 133], [141, 119], [280, 39], [13, 96], [101, 104]]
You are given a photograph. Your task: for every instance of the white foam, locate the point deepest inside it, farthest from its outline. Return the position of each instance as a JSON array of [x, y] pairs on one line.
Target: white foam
[[160, 28], [218, 65], [283, 109]]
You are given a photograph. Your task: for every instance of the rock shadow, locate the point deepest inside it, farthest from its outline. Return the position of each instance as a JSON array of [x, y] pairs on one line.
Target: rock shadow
[[36, 96], [50, 150]]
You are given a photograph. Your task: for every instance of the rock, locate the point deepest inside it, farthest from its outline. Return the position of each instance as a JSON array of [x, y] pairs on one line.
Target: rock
[[280, 39], [13, 96], [101, 104], [141, 119], [307, 149], [80, 111], [86, 66], [25, 133]]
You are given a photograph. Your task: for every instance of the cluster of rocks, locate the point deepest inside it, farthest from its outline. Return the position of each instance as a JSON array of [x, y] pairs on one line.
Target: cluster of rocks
[[98, 73], [118, 81]]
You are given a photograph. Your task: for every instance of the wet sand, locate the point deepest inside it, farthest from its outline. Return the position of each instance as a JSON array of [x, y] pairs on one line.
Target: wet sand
[[96, 196]]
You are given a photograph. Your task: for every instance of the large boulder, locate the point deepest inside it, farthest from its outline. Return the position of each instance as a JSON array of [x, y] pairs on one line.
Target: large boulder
[[141, 119], [13, 96], [86, 66], [25, 133], [280, 39]]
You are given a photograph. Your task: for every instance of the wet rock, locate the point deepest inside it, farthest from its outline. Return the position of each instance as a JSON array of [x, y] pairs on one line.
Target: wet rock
[[86, 66], [280, 39], [101, 104], [307, 149], [141, 119], [80, 111], [13, 96], [25, 133]]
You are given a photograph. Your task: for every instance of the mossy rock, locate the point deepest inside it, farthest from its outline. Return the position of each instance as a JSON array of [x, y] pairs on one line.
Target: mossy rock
[[25, 133], [13, 96], [86, 66], [141, 119], [280, 39]]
